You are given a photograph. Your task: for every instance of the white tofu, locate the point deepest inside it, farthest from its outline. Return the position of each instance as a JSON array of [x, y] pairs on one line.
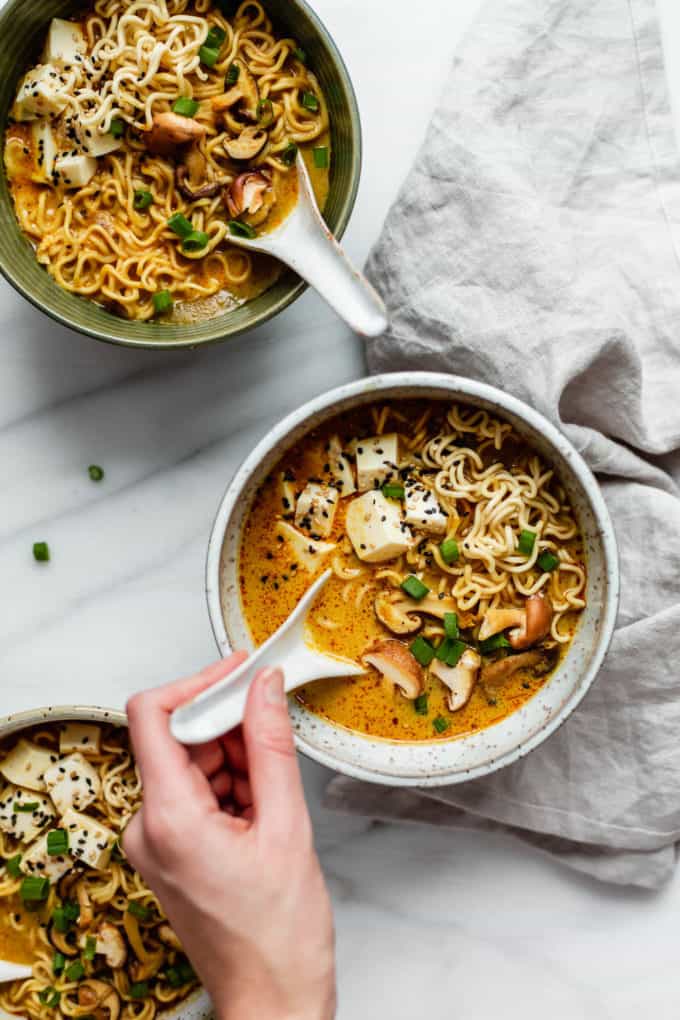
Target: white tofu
[[340, 468], [288, 493], [377, 460], [44, 148], [376, 529], [307, 553], [422, 509], [41, 94], [76, 736], [75, 171], [98, 143], [24, 825], [26, 764], [89, 840], [37, 861], [65, 41], [315, 509], [72, 783]]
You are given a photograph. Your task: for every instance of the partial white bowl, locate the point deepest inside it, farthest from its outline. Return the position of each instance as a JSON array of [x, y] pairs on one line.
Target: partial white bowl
[[439, 762], [196, 1006]]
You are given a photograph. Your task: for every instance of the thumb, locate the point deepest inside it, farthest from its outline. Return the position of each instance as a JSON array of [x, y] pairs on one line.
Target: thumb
[[278, 796]]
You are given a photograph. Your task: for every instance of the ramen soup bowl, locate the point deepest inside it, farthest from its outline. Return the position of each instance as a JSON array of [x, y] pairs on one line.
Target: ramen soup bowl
[[429, 762], [26, 25], [196, 1005]]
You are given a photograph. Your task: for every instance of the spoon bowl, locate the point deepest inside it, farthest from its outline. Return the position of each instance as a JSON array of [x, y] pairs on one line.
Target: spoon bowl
[[14, 971]]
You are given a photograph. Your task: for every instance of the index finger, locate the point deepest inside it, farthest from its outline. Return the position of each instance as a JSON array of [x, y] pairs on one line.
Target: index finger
[[163, 762]]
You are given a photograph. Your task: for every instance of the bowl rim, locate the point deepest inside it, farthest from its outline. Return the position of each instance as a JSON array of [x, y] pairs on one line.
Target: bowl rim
[[505, 403], [297, 288]]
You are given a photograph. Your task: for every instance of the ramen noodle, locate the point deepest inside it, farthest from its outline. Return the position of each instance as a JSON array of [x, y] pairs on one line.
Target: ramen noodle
[[458, 566]]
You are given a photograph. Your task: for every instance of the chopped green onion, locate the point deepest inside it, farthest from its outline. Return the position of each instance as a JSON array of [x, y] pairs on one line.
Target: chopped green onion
[[289, 154], [139, 911], [66, 915], [50, 997], [74, 971], [320, 153], [265, 112], [451, 625], [41, 552], [240, 229], [180, 225], [142, 199], [72, 910], [493, 644], [420, 704], [195, 241], [215, 37], [414, 587], [209, 56], [27, 806], [300, 54], [58, 963], [185, 106], [232, 75], [139, 989], [181, 974], [423, 651], [95, 472], [393, 491], [116, 852], [117, 128], [162, 301], [548, 562], [449, 651], [449, 550], [90, 948], [441, 724], [527, 540], [310, 102], [57, 842], [34, 889], [12, 866]]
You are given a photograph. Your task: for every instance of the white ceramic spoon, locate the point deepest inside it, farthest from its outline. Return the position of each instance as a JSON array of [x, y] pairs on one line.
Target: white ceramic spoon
[[221, 708], [304, 242], [14, 971]]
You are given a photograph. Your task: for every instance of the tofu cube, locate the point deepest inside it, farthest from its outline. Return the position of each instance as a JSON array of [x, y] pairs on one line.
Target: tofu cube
[[75, 171], [288, 493], [65, 41], [340, 468], [376, 529], [44, 149], [24, 825], [85, 737], [89, 841], [72, 783], [305, 551], [315, 509], [26, 764], [41, 94], [37, 861], [377, 460], [98, 143], [422, 509]]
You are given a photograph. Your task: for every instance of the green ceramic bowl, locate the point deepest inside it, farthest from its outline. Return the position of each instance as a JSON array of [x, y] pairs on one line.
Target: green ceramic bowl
[[22, 27]]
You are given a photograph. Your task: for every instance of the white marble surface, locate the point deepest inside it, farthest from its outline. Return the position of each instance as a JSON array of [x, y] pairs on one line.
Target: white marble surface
[[454, 924]]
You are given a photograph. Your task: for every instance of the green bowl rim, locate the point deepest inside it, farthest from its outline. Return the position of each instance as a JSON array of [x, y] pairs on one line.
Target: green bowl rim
[[344, 214]]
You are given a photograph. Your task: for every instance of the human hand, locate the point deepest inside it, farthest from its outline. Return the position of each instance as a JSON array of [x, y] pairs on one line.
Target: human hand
[[225, 841]]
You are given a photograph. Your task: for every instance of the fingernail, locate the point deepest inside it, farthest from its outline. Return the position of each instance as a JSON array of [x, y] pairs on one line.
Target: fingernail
[[272, 681]]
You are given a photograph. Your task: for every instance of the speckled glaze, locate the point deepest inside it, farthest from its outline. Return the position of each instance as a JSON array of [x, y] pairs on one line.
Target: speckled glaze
[[438, 762], [24, 22], [197, 1006]]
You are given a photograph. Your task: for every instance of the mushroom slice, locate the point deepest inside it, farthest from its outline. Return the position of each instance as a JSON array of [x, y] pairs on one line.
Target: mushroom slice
[[245, 92], [397, 664], [98, 996], [248, 145], [111, 945], [503, 669], [86, 915], [206, 190], [497, 620], [460, 679], [170, 130], [403, 615], [168, 937], [535, 625], [247, 194]]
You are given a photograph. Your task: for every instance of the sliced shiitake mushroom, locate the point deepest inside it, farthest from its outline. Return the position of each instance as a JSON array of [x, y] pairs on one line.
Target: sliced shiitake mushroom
[[244, 93], [170, 130], [397, 664], [248, 145], [250, 193]]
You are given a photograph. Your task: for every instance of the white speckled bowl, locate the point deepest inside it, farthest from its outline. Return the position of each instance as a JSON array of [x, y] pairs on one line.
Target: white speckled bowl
[[438, 762], [198, 1005]]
